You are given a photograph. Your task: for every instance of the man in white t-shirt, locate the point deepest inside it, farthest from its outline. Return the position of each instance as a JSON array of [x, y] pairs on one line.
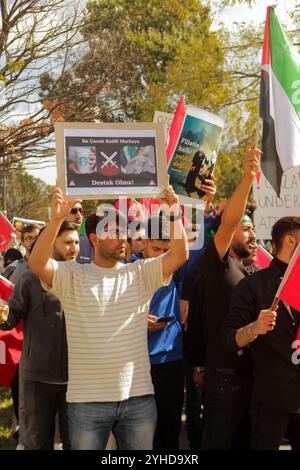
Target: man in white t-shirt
[[106, 305]]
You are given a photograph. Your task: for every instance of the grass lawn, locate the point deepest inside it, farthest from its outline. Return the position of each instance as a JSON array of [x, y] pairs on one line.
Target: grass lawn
[[6, 412]]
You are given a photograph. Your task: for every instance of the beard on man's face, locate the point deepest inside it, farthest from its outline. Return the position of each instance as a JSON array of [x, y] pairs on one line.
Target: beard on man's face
[[58, 256], [117, 254], [242, 250]]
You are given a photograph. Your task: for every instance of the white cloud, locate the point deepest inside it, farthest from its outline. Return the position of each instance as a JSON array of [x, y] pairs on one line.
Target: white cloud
[[257, 14]]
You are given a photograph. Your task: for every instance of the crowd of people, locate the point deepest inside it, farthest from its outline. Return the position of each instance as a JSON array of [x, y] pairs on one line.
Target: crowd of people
[[118, 325]]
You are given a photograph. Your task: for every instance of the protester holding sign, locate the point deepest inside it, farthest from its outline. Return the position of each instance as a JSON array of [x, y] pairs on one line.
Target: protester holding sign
[[106, 304], [271, 332], [227, 377]]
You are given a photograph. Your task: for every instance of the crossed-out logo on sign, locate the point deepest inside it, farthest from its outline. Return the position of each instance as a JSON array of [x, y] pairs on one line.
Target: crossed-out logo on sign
[[296, 353], [136, 217]]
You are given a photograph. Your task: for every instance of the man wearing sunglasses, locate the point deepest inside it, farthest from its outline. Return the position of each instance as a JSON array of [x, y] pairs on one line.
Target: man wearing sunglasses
[[76, 217], [106, 305]]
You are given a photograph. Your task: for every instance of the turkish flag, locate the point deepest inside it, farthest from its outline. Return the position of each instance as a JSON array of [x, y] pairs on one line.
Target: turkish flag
[[6, 229], [263, 257], [10, 341], [288, 290], [175, 128], [6, 288], [10, 353]]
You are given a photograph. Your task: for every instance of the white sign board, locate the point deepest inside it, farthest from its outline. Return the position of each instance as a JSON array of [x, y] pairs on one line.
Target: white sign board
[[97, 161], [165, 119], [270, 208]]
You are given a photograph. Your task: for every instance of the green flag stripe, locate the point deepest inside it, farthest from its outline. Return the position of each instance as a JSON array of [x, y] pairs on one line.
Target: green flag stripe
[[285, 62]]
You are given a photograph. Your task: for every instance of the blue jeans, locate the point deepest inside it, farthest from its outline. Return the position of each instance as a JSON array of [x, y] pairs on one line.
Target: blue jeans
[[132, 421]]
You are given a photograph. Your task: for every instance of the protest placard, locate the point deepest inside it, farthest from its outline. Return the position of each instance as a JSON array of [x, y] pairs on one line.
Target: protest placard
[[97, 161], [270, 207], [195, 153], [165, 119]]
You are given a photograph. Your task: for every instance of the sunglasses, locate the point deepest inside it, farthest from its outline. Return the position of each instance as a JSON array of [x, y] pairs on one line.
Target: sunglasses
[[74, 210]]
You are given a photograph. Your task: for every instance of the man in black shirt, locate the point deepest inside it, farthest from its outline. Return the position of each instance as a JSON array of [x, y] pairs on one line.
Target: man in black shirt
[[275, 407], [227, 378]]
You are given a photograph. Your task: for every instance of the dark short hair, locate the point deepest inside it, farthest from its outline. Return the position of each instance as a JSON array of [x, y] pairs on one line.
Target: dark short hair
[[12, 254], [28, 229], [284, 226], [158, 228], [65, 227], [93, 220]]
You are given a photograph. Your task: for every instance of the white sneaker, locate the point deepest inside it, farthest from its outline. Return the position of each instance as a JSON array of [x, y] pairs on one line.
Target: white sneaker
[[20, 447]]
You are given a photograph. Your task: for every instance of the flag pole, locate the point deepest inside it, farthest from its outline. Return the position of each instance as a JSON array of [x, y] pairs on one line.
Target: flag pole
[[257, 131]]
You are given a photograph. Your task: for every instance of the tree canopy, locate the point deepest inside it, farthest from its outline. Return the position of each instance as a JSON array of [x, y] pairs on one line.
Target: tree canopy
[[123, 60], [28, 197]]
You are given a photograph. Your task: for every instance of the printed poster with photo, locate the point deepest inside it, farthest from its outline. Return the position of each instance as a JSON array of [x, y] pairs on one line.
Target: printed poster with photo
[[97, 161], [195, 153]]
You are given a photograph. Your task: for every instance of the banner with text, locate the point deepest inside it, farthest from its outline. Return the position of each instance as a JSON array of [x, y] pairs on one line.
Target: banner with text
[[195, 153], [107, 160], [270, 207]]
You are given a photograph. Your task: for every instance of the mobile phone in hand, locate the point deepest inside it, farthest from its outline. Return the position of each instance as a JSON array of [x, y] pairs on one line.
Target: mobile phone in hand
[[165, 319]]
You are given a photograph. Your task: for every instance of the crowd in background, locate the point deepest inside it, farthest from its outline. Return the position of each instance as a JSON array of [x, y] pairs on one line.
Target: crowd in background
[[119, 324]]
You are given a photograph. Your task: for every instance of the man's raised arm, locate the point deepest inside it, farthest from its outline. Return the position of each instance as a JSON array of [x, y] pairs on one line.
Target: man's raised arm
[[179, 251], [39, 259], [236, 205]]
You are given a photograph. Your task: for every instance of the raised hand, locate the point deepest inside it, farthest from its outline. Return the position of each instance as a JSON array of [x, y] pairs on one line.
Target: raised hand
[[60, 208], [209, 187], [171, 199], [251, 162]]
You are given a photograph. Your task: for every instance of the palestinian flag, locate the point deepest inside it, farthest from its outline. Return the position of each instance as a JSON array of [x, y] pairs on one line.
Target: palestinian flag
[[279, 102]]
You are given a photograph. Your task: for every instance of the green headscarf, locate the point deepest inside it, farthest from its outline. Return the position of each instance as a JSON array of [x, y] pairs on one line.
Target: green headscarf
[[246, 220]]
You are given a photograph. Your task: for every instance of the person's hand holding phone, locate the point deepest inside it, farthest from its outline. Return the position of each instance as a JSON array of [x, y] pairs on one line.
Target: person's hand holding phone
[[154, 324], [209, 188]]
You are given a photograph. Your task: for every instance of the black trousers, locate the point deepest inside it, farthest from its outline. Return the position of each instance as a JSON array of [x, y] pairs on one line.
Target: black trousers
[[270, 426], [168, 382], [193, 409], [226, 411], [41, 402], [15, 394]]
